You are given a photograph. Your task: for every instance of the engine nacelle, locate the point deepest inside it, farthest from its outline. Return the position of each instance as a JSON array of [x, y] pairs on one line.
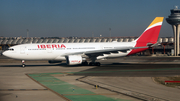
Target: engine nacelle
[[74, 59], [54, 61]]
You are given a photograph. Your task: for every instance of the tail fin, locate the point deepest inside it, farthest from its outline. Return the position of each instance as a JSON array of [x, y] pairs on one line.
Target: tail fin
[[151, 34]]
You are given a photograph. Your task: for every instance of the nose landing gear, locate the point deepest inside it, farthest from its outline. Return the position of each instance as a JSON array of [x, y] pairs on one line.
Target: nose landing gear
[[23, 63]]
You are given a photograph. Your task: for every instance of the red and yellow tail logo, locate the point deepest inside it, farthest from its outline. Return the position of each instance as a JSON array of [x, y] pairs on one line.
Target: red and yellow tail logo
[[157, 21], [150, 35]]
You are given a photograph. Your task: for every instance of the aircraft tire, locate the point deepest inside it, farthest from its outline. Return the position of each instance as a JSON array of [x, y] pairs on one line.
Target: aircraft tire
[[98, 64], [85, 63], [94, 64], [23, 65], [91, 64]]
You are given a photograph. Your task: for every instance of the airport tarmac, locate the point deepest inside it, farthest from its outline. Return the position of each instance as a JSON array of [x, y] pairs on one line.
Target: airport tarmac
[[122, 79]]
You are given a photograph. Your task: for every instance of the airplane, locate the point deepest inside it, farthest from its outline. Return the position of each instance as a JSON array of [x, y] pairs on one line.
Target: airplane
[[78, 53]]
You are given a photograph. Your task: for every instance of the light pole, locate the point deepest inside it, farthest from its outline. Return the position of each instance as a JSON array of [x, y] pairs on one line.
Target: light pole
[[110, 32]]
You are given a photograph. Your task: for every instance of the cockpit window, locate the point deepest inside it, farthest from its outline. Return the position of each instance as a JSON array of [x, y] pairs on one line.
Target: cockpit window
[[11, 49]]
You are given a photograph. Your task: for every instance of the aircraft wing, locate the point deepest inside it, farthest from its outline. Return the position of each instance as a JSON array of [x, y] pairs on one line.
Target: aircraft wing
[[98, 52]]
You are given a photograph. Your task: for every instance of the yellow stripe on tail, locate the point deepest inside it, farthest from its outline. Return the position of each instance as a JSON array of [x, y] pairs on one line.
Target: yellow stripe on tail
[[156, 20]]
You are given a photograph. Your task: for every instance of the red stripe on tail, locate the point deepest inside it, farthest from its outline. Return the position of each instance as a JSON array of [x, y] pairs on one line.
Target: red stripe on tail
[[150, 35]]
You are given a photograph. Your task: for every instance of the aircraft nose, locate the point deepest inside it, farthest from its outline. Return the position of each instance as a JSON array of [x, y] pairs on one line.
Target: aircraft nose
[[4, 53]]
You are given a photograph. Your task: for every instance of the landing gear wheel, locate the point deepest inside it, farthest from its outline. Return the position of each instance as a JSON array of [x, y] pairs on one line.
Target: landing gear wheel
[[91, 64], [85, 63], [97, 63], [94, 64], [23, 65]]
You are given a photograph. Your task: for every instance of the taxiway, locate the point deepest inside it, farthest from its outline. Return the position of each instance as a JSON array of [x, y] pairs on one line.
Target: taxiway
[[128, 78]]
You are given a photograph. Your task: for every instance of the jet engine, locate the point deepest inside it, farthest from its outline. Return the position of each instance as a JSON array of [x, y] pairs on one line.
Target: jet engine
[[74, 59]]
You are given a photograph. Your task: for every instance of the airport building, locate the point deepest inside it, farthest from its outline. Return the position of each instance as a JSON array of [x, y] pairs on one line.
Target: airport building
[[166, 46]]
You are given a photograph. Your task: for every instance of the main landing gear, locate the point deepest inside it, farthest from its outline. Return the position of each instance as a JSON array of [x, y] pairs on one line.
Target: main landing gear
[[85, 63], [94, 64], [91, 63], [23, 63]]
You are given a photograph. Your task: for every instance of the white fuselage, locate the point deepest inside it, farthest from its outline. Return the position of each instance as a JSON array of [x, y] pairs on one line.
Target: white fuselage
[[57, 51], [76, 53]]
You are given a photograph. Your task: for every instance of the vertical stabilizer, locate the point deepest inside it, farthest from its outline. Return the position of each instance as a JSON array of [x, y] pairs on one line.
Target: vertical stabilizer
[[149, 36]]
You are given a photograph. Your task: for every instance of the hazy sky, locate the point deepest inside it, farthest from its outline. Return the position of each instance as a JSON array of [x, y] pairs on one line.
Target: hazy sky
[[81, 18]]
